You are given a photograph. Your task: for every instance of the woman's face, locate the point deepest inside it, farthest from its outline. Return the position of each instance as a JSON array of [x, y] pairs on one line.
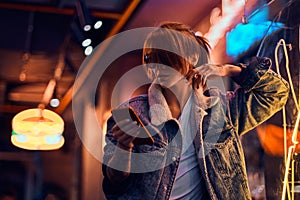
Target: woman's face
[[162, 72], [166, 76]]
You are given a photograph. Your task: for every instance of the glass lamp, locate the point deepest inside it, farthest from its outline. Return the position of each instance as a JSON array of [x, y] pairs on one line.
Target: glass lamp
[[37, 129]]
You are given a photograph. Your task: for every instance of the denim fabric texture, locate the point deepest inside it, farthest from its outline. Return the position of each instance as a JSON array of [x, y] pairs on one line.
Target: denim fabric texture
[[220, 155]]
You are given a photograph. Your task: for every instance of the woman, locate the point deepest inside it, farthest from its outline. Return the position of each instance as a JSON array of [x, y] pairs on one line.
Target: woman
[[196, 152]]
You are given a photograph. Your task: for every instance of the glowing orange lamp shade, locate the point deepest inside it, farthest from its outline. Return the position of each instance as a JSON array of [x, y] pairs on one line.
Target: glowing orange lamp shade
[[37, 129]]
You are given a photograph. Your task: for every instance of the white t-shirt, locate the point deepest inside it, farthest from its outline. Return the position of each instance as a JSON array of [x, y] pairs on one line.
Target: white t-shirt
[[188, 180]]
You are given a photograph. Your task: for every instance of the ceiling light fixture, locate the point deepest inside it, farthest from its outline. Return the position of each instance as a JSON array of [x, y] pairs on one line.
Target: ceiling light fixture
[[98, 24], [37, 129], [86, 42], [88, 50], [54, 101], [83, 15]]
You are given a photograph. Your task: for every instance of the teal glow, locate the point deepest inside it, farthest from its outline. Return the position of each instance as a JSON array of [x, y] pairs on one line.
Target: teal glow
[[53, 139], [20, 137], [243, 36]]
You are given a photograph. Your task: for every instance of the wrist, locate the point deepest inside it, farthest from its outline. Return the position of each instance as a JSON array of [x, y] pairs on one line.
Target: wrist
[[232, 70], [221, 70]]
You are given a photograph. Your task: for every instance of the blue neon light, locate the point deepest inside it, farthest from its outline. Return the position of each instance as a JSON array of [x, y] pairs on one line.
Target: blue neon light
[[240, 39]]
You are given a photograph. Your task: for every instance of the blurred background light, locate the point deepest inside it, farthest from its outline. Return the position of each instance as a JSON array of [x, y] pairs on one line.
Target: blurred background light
[[98, 24]]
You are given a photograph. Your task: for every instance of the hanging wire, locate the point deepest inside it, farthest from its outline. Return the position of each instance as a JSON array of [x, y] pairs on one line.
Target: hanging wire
[[259, 9], [268, 4], [265, 35], [26, 55], [274, 19]]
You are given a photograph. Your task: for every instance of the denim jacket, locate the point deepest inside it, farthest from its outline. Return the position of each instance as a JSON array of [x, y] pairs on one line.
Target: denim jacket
[[217, 122]]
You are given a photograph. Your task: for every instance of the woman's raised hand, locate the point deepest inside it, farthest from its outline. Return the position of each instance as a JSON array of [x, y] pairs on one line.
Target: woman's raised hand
[[198, 77]]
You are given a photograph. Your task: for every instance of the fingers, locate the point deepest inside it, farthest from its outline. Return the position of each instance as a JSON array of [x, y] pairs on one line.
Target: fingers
[[125, 126], [200, 75], [197, 81], [125, 132], [195, 78], [204, 79], [192, 74], [124, 140]]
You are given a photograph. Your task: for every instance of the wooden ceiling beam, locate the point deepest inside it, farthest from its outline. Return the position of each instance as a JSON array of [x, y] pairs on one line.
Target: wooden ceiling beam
[[124, 18], [54, 10]]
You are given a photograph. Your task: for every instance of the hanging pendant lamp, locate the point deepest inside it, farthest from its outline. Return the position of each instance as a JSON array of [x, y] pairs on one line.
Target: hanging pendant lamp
[[37, 129]]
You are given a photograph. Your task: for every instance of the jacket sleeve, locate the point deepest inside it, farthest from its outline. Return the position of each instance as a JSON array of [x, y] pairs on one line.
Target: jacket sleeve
[[110, 189], [261, 95]]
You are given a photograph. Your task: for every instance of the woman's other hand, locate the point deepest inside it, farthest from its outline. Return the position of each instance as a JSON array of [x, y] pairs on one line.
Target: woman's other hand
[[125, 132]]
